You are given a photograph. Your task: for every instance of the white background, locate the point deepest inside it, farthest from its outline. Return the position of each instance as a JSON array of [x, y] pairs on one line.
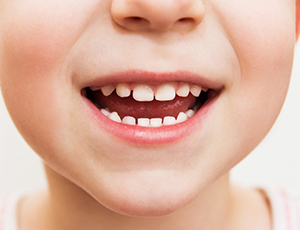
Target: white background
[[275, 160]]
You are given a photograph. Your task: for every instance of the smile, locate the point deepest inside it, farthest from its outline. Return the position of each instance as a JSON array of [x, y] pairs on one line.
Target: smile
[[148, 105], [151, 111]]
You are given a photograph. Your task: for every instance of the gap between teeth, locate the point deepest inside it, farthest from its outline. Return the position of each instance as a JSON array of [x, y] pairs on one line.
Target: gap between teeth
[[149, 122], [144, 92]]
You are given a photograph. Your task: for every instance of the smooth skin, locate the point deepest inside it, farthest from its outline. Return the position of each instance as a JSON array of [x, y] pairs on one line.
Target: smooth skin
[[51, 50]]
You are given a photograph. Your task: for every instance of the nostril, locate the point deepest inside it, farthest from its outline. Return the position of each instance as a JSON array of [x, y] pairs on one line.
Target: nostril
[[136, 22], [135, 19], [187, 20]]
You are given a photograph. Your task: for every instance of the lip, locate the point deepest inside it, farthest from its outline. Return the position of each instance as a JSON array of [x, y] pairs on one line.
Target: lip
[[152, 135], [146, 77]]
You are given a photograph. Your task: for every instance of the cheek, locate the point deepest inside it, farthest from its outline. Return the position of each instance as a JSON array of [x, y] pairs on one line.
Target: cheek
[[263, 41], [35, 40], [261, 35], [265, 51], [36, 35]]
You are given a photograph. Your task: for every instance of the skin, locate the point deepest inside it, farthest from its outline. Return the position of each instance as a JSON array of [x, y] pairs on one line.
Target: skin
[[50, 50]]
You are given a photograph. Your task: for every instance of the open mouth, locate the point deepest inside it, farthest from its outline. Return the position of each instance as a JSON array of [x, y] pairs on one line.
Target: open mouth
[[150, 105]]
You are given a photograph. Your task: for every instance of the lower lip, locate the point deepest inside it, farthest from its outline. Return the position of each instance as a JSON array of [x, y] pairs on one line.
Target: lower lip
[[148, 135]]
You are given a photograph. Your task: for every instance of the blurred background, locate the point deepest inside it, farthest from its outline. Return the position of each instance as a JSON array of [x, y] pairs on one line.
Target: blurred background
[[276, 160]]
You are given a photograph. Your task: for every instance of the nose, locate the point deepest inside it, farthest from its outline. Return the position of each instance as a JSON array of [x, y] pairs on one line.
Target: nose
[[157, 15]]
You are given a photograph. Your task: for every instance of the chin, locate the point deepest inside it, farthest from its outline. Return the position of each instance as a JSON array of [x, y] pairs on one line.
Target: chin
[[147, 194]]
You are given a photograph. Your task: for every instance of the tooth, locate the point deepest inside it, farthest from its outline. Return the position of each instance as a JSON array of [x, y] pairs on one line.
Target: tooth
[[204, 89], [128, 120], [155, 122], [190, 113], [95, 88], [168, 120], [143, 122], [105, 112], [165, 92], [123, 90], [107, 90], [143, 93], [182, 117], [183, 90], [114, 116], [195, 90]]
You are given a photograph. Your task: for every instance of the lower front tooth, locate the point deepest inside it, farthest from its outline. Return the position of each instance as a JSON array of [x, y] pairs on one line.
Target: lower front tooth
[[145, 122], [105, 112], [114, 116], [181, 117], [168, 120], [155, 122], [128, 120], [190, 113]]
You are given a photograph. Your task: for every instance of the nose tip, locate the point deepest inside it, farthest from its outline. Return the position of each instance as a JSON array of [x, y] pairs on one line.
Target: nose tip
[[157, 15]]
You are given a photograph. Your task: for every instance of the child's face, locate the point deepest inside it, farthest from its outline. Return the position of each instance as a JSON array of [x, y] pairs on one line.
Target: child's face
[[52, 51]]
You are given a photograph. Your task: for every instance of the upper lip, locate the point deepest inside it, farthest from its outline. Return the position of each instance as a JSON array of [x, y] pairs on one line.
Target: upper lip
[[146, 77]]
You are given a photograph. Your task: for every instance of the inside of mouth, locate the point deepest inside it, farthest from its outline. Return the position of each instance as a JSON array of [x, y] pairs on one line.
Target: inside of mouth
[[161, 112]]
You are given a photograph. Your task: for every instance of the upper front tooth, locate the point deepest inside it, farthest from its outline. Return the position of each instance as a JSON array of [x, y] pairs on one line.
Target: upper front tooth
[[107, 90], [183, 90], [143, 93], [195, 90], [165, 92], [95, 88], [123, 90]]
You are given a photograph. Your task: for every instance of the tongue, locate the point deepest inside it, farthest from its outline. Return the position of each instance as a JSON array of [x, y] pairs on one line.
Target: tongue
[[153, 109]]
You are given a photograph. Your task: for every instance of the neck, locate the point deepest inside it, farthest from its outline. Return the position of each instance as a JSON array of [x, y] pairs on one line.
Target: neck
[[69, 207]]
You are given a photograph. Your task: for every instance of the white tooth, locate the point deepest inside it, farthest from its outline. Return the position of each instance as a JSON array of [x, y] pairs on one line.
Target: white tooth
[[183, 90], [190, 113], [95, 88], [105, 112], [204, 89], [155, 122], [114, 116], [182, 117], [168, 120], [143, 122], [123, 90], [107, 90], [143, 93], [165, 92], [128, 120], [195, 90]]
